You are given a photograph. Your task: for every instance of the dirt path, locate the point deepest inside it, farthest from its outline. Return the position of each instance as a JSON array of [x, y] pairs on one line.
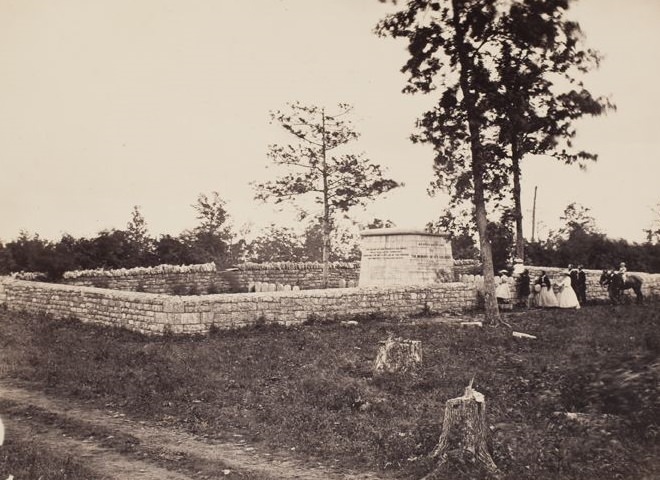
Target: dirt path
[[116, 447]]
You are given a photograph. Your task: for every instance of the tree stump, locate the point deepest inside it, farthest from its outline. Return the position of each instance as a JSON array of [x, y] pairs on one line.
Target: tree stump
[[398, 355], [462, 444]]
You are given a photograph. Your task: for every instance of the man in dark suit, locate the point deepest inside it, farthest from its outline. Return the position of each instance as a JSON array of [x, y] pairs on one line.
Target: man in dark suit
[[581, 285], [574, 279]]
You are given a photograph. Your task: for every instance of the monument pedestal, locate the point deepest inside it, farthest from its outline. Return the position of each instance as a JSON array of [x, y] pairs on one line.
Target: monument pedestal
[[395, 256]]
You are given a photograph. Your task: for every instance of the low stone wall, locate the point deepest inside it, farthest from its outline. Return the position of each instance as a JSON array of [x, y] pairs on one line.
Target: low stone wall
[[306, 276], [144, 312], [163, 283], [466, 267], [156, 314]]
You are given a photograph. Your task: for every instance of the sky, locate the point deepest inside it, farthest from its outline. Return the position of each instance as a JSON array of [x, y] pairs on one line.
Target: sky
[[110, 104]]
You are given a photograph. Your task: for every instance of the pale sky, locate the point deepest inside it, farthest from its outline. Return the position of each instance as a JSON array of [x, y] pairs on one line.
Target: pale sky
[[115, 103]]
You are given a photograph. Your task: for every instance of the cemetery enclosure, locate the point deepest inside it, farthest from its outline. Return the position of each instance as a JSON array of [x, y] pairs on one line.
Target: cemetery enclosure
[[157, 314], [192, 280]]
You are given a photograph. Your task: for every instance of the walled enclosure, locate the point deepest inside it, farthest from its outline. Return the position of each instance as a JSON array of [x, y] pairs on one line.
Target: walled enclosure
[[191, 280], [157, 314]]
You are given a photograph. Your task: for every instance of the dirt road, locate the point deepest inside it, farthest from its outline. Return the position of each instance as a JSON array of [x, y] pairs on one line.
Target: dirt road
[[116, 447]]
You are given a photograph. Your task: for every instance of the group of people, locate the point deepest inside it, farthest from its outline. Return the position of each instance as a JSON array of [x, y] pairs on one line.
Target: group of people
[[569, 290]]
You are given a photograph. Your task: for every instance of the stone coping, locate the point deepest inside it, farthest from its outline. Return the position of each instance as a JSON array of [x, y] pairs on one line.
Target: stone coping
[[374, 232]]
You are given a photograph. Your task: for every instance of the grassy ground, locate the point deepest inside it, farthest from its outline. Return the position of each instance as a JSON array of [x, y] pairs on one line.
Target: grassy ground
[[26, 459], [309, 390]]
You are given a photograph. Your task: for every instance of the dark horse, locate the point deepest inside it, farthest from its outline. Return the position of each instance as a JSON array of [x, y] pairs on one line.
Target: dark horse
[[616, 285]]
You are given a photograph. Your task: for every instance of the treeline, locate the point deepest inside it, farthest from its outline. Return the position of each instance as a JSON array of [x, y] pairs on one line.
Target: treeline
[[577, 241], [112, 249], [213, 240], [594, 251]]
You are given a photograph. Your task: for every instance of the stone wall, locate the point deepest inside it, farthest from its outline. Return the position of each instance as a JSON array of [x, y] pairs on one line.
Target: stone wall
[[156, 314], [164, 283], [306, 276]]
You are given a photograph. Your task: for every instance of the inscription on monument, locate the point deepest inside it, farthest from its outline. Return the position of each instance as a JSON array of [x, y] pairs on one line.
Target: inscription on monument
[[393, 256]]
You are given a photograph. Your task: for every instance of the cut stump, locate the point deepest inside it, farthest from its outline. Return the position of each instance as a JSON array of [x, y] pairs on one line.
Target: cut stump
[[398, 355], [462, 444]]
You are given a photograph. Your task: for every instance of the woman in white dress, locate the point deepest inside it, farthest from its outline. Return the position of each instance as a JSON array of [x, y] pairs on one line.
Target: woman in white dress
[[546, 297], [566, 296], [503, 287]]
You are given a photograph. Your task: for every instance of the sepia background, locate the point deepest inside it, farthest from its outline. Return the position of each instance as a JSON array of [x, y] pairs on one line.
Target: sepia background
[[111, 104]]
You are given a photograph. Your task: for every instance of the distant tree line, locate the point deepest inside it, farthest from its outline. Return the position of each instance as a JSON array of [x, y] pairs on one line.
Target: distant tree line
[[577, 241], [213, 240]]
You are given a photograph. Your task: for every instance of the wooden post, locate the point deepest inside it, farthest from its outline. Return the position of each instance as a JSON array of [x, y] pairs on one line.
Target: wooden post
[[462, 443], [398, 355]]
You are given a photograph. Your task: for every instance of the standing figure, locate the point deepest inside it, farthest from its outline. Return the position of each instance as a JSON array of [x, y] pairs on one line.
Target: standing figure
[[546, 297], [524, 289], [566, 296], [581, 285], [574, 278], [503, 290]]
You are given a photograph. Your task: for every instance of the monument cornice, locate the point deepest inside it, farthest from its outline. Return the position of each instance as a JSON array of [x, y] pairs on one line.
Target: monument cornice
[[373, 232]]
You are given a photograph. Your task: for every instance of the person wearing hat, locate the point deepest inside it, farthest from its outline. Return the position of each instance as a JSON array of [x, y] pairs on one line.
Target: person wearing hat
[[503, 289], [566, 295], [622, 271]]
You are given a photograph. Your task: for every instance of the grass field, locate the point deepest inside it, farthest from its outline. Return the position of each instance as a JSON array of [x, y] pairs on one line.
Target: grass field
[[309, 390], [30, 461]]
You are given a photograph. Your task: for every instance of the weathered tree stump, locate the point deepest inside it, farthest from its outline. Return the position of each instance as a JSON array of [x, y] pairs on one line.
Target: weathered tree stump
[[462, 443], [398, 355]]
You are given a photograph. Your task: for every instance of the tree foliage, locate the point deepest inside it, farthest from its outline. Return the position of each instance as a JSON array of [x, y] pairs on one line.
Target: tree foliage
[[276, 244], [210, 240], [446, 45], [496, 67], [318, 166], [579, 241], [653, 232], [540, 97]]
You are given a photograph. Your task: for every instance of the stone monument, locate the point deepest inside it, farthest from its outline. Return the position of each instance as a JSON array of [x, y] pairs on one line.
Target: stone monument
[[396, 256]]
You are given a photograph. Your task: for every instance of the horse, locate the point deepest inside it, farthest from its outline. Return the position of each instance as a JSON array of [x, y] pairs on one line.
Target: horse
[[616, 285]]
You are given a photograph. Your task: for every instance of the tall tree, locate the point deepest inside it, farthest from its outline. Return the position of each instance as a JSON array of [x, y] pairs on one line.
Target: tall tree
[[446, 43], [498, 65], [576, 218], [138, 238], [318, 166], [210, 239], [540, 96]]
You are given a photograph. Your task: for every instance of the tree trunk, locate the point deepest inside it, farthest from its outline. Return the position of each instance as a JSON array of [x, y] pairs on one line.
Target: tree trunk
[[325, 222], [517, 204], [398, 355], [478, 167], [462, 443]]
